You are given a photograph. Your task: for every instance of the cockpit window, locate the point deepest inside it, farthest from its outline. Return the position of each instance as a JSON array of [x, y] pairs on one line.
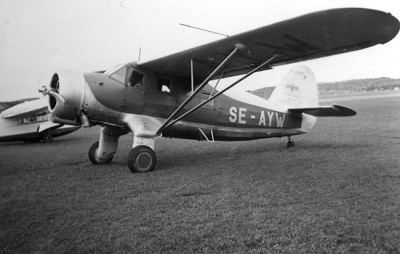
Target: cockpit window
[[126, 75], [113, 69], [136, 78], [120, 75]]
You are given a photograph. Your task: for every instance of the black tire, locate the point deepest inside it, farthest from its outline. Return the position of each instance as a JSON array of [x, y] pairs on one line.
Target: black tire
[[141, 159], [93, 158], [47, 138]]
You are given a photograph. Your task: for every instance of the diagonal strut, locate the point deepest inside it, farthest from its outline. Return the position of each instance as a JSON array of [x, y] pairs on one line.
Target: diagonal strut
[[221, 92], [198, 89]]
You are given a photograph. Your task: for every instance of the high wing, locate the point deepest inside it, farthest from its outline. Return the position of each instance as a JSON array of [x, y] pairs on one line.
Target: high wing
[[30, 107], [334, 110], [306, 37]]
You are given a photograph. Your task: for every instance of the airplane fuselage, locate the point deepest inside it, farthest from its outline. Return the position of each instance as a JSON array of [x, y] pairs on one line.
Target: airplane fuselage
[[224, 118]]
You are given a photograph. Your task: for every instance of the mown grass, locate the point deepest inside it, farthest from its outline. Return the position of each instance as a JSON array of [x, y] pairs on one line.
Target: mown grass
[[336, 191]]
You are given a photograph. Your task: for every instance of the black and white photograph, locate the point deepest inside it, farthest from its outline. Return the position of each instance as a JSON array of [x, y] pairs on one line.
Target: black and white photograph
[[211, 126]]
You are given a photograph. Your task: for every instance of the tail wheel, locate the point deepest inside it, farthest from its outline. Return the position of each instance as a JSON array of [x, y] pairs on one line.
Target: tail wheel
[[141, 159], [93, 157], [290, 143]]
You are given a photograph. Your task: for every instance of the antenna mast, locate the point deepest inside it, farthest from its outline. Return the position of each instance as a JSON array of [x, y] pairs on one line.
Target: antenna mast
[[140, 52]]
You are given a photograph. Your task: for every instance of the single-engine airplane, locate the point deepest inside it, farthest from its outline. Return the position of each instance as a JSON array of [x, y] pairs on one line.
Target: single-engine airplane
[[171, 97], [29, 122]]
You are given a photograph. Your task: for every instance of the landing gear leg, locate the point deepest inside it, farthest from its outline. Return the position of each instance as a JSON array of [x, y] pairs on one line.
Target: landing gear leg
[[142, 157], [290, 142], [102, 152]]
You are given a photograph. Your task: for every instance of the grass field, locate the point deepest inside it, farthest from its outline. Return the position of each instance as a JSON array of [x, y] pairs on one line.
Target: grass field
[[336, 191]]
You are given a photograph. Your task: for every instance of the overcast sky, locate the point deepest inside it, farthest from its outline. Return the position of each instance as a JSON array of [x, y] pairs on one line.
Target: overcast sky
[[40, 37]]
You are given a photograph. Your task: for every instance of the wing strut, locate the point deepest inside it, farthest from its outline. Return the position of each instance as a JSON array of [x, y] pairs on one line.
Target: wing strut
[[166, 125], [198, 89], [212, 135], [215, 87]]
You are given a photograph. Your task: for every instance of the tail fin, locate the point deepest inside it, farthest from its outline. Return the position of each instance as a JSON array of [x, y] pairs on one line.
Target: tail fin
[[297, 89], [298, 93]]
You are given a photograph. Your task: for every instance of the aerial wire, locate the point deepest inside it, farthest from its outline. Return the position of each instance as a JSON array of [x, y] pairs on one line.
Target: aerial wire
[[205, 30]]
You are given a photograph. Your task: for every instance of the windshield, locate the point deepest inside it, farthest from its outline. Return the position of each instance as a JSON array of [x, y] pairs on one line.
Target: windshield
[[113, 69], [126, 75]]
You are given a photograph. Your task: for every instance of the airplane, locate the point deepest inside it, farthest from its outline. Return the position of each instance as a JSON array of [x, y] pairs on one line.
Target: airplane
[[171, 96], [29, 122]]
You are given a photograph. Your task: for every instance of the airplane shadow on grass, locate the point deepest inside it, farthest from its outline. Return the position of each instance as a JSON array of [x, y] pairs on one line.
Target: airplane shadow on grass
[[39, 143], [207, 156], [238, 152], [220, 152]]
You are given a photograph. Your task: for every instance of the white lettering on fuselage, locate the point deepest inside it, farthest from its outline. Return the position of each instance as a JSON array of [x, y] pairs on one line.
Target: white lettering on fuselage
[[242, 115], [238, 115], [270, 116], [232, 114], [262, 118], [279, 120]]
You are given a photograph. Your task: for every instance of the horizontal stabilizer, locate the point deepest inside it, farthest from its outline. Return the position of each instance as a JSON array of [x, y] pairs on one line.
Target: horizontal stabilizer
[[334, 110]]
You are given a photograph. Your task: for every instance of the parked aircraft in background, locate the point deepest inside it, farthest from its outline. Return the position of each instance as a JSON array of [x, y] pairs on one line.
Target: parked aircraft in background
[[170, 96], [29, 122]]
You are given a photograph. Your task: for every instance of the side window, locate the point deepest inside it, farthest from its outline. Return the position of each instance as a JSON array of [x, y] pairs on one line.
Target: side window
[[120, 75], [136, 79], [164, 85]]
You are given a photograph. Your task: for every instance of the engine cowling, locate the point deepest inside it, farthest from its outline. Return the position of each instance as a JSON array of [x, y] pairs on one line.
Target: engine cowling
[[66, 95]]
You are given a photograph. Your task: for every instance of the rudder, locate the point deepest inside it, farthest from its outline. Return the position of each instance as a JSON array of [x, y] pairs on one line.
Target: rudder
[[297, 89]]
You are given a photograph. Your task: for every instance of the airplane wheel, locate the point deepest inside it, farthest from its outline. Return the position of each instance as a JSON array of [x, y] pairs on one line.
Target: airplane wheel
[[290, 143], [93, 158], [141, 159], [48, 138]]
